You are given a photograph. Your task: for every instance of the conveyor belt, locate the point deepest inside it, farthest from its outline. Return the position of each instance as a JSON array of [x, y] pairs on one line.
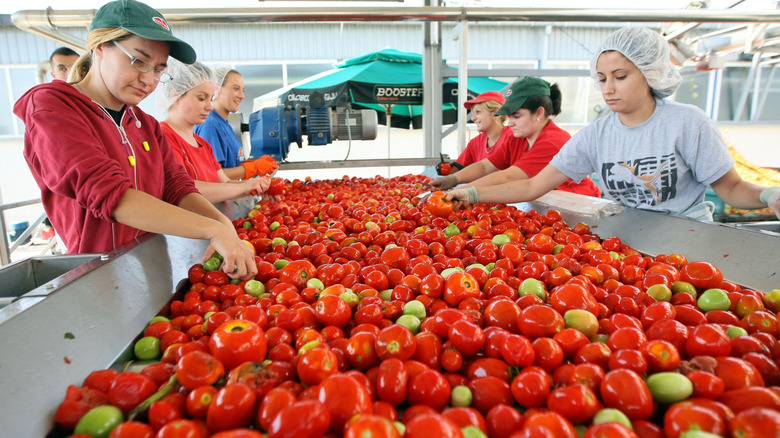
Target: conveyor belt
[[106, 308]]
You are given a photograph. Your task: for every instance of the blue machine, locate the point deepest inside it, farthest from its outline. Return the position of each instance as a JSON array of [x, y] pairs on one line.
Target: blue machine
[[273, 129]]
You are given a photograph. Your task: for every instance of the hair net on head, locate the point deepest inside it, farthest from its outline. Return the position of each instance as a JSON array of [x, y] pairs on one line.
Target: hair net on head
[[220, 73], [649, 51], [185, 78]]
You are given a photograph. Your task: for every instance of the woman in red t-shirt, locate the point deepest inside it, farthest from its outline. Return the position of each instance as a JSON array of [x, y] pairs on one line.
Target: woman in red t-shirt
[[492, 132], [188, 100], [530, 104]]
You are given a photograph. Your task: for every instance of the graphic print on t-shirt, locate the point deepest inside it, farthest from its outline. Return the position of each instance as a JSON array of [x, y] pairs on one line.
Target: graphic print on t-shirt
[[645, 181]]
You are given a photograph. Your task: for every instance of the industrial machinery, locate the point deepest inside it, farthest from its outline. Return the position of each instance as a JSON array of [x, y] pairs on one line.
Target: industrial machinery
[[273, 129]]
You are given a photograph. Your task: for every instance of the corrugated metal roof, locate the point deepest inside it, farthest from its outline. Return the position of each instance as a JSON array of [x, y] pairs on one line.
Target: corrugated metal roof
[[301, 41]]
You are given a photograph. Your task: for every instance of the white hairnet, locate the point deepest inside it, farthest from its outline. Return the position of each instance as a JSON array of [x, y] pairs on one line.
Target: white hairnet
[[220, 73], [649, 51], [185, 78]]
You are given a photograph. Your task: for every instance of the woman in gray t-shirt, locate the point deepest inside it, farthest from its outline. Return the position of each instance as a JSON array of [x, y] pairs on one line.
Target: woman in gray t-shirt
[[649, 153]]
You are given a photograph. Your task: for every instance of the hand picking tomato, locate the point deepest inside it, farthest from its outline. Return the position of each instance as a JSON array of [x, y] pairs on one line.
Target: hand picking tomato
[[276, 187], [438, 206]]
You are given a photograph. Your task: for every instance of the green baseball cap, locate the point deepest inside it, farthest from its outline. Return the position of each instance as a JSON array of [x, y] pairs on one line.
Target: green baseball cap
[[144, 21], [520, 91]]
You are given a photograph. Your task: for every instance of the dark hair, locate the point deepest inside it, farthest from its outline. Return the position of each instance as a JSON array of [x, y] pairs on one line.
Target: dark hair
[[551, 103], [63, 51]]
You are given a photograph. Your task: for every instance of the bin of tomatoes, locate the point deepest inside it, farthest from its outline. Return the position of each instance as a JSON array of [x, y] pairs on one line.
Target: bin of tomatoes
[[373, 316]]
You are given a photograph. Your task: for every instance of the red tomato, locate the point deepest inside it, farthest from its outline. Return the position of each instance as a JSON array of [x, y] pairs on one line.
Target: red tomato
[[317, 364], [684, 416], [458, 287], [297, 273], [232, 407], [129, 390], [391, 381], [467, 337], [756, 423], [429, 388], [540, 321], [502, 421], [132, 429], [703, 275], [371, 426], [180, 429], [305, 418], [531, 387], [660, 355], [550, 422], [273, 403], [343, 397], [488, 392], [236, 342], [577, 403], [276, 187], [430, 425], [254, 375], [438, 206], [610, 429], [395, 341], [755, 396], [464, 417], [199, 399], [161, 413], [625, 390], [737, 373]]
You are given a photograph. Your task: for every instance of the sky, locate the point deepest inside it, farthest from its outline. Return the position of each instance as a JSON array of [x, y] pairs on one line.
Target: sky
[[9, 7]]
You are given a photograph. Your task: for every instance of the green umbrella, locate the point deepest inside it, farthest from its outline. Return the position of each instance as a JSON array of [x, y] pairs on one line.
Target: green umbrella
[[387, 79]]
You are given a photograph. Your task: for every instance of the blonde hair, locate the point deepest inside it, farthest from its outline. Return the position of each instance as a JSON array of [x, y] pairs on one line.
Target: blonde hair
[[493, 106], [95, 38]]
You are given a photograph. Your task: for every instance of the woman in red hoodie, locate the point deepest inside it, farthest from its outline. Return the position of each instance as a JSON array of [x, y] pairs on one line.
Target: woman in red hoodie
[[107, 175]]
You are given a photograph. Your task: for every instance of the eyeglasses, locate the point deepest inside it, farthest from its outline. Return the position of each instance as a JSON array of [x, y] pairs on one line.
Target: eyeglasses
[[144, 67]]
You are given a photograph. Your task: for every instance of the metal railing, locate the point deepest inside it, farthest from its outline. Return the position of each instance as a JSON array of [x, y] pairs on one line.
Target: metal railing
[[5, 249]]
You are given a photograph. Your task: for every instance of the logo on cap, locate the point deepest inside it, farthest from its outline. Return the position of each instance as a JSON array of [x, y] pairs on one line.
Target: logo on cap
[[508, 92], [162, 23]]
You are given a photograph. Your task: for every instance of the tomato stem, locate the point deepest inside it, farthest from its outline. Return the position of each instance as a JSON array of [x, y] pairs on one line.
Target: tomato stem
[[162, 392]]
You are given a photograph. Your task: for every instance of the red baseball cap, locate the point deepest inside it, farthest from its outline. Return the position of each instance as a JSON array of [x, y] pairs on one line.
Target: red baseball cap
[[484, 97]]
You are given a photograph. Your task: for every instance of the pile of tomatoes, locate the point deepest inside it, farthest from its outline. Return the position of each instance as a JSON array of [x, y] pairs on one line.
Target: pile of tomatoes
[[373, 315]]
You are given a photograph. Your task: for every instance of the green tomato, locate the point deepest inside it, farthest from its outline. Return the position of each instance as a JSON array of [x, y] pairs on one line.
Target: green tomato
[[500, 239], [386, 295], [714, 299], [281, 263], [532, 286], [772, 300], [147, 348], [446, 273], [400, 427], [472, 432], [100, 421], [279, 241], [415, 308], [461, 396], [350, 298], [158, 319], [582, 320], [557, 249], [274, 225], [451, 230], [660, 292], [247, 225], [607, 415], [735, 331], [315, 283], [683, 286], [478, 265], [411, 322], [254, 287], [490, 266], [698, 434], [212, 264], [669, 387]]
